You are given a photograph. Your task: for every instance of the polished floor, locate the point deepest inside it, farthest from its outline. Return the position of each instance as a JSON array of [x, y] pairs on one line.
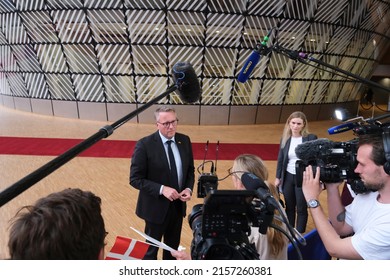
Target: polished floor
[[108, 177]]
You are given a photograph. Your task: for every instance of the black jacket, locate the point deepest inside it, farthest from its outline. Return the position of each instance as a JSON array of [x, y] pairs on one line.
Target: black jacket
[[281, 167], [150, 169]]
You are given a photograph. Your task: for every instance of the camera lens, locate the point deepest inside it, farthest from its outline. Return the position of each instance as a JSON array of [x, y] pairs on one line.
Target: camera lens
[[195, 216]]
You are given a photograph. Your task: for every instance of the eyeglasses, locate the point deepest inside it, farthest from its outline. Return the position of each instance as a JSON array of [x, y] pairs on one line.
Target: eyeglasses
[[168, 124], [234, 173]]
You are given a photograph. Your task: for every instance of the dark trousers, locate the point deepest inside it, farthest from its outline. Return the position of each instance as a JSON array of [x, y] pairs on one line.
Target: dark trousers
[[170, 229], [296, 207]]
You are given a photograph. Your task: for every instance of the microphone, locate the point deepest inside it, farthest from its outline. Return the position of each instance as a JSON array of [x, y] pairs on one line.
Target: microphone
[[254, 58], [254, 183], [205, 154], [342, 128], [187, 82], [314, 149], [216, 158], [188, 88]]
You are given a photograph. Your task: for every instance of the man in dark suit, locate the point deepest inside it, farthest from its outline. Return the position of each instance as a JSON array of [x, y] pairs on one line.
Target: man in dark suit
[[162, 195]]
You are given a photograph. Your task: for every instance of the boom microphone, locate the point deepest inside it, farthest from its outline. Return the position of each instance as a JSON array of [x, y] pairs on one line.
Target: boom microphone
[[254, 58], [313, 149], [186, 81], [342, 128], [187, 85]]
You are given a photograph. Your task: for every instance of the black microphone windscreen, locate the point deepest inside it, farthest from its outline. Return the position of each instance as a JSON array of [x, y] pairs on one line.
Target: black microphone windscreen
[[185, 78], [252, 182], [313, 149]]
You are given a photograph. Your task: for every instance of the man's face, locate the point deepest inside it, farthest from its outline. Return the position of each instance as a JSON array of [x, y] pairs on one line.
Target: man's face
[[373, 176], [167, 124]]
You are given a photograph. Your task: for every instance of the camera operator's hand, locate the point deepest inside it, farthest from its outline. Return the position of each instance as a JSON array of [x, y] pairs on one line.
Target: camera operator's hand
[[185, 195], [170, 193], [311, 185]]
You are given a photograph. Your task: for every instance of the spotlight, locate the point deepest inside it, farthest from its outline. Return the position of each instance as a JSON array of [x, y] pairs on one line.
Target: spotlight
[[342, 114]]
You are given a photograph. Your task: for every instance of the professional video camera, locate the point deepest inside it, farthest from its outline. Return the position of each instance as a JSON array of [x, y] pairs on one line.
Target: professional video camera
[[337, 160], [221, 226]]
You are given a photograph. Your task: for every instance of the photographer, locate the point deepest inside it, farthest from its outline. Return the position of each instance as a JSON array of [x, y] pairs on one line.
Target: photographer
[[367, 218]]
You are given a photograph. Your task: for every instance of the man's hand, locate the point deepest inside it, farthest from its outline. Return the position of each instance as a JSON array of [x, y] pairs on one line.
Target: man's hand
[[185, 195], [170, 193], [181, 255]]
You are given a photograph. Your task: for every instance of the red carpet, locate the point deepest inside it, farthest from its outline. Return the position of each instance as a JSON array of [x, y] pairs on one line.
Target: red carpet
[[124, 148]]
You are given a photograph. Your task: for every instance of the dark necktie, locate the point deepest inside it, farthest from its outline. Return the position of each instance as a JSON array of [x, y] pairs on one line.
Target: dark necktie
[[172, 162]]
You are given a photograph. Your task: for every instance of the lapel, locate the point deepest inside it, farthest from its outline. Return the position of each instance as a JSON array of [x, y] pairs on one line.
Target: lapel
[[160, 149], [286, 148]]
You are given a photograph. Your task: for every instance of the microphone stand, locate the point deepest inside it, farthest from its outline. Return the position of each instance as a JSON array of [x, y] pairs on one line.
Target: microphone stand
[[29, 180], [300, 56]]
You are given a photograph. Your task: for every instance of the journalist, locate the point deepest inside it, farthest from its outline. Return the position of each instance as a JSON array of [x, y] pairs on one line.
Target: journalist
[[270, 244], [273, 244], [366, 221], [65, 225]]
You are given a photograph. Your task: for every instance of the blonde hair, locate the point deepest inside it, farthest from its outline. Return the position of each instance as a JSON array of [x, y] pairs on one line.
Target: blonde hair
[[287, 131], [255, 165]]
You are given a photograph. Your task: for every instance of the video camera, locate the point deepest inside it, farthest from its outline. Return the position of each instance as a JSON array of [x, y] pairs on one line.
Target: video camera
[[337, 160], [221, 225]]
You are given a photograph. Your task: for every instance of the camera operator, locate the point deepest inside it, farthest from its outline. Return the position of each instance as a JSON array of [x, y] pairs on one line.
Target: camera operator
[[367, 218]]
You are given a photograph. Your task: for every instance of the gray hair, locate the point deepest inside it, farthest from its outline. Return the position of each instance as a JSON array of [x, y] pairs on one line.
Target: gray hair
[[163, 108]]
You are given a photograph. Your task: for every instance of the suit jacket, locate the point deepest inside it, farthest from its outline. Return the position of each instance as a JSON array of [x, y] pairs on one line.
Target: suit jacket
[[281, 167], [150, 169]]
